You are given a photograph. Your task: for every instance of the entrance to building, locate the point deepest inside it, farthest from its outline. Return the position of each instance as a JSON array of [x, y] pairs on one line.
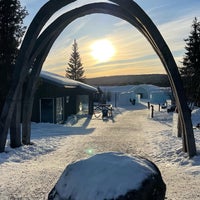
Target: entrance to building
[[47, 110]]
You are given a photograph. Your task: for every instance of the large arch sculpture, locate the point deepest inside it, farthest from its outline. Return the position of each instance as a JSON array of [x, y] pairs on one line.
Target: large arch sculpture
[[36, 46]]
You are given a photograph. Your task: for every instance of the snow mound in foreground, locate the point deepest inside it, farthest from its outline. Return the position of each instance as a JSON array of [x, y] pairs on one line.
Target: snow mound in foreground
[[103, 176]]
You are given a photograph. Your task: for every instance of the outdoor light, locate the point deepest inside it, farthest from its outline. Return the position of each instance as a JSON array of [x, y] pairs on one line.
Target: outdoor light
[[67, 99]]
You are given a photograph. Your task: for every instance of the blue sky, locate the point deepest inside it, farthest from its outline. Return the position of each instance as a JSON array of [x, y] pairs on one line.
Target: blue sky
[[133, 54]]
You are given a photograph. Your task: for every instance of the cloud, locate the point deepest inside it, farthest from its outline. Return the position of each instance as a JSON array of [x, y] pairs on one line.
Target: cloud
[[121, 23], [133, 54], [131, 48]]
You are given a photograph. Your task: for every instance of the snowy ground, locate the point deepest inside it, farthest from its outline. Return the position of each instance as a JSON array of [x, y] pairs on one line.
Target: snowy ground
[[30, 172]]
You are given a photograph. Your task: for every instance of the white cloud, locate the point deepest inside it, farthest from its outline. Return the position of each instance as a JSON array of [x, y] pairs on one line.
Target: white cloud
[[131, 45]]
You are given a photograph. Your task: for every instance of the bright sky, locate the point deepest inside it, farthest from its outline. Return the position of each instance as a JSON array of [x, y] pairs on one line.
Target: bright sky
[[126, 50]]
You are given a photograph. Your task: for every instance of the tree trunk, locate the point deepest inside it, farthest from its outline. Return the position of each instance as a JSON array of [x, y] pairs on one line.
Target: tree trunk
[[7, 113], [15, 128], [180, 126], [184, 142], [26, 119]]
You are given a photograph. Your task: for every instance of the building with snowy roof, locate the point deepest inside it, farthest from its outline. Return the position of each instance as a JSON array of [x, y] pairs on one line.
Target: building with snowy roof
[[123, 95], [155, 94], [58, 97]]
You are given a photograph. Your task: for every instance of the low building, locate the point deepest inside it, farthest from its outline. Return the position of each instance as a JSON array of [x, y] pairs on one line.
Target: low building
[[155, 94], [124, 95], [58, 97]]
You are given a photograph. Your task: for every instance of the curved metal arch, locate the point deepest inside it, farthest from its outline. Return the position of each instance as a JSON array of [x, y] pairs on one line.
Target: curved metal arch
[[172, 71], [133, 14], [144, 25]]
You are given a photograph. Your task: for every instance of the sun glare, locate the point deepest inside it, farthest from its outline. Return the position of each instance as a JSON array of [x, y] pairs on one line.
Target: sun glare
[[102, 50]]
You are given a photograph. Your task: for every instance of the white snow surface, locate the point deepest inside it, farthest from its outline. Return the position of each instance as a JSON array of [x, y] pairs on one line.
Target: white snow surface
[[103, 176], [30, 172]]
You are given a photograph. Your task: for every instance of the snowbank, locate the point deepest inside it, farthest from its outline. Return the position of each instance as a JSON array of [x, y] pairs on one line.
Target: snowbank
[[104, 176]]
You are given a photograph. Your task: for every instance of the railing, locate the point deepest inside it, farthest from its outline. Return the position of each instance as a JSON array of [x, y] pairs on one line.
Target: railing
[[103, 110]]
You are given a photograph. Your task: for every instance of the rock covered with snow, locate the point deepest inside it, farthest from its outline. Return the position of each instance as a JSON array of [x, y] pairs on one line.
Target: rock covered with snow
[[109, 176]]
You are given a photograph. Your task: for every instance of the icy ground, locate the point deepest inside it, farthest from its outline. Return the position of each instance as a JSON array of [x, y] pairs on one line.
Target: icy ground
[[30, 172]]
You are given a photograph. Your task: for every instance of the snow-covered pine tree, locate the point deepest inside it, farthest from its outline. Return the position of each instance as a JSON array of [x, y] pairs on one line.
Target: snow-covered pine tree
[[75, 69], [190, 71]]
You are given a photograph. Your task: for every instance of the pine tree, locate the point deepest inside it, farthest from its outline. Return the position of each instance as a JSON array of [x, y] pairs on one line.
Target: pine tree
[[11, 33], [75, 69], [190, 71]]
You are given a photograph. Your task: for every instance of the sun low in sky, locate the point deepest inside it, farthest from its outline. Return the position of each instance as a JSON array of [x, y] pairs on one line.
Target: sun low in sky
[[102, 50], [109, 45]]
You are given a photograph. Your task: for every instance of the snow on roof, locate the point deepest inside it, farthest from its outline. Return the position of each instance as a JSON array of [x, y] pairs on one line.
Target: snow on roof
[[147, 87], [118, 89], [66, 82], [131, 88], [103, 176]]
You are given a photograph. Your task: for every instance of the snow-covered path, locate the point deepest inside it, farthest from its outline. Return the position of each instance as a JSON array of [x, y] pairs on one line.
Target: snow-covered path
[[28, 175]]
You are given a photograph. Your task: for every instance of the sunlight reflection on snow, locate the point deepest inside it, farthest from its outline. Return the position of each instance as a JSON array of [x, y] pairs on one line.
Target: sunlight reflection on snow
[[90, 151]]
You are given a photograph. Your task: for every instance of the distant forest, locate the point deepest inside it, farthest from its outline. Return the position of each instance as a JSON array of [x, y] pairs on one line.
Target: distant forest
[[154, 79]]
